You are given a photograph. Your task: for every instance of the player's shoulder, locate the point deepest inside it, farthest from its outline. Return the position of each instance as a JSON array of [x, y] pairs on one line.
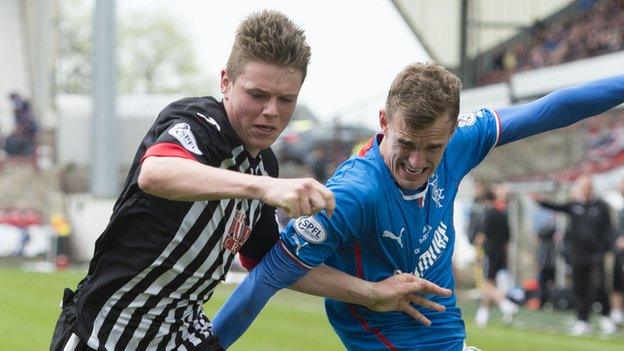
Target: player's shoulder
[[357, 176], [205, 111], [475, 119], [475, 128]]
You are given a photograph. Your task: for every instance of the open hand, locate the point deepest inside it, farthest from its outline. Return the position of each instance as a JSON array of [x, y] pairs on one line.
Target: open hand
[[400, 291]]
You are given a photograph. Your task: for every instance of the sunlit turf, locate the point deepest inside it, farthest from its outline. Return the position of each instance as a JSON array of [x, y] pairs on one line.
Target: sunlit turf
[[29, 308]]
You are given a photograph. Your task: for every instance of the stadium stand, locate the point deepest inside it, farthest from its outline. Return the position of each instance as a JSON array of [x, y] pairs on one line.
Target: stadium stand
[[587, 29]]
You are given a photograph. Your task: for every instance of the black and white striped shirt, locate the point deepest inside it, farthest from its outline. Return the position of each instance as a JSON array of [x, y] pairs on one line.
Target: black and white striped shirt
[[159, 260]]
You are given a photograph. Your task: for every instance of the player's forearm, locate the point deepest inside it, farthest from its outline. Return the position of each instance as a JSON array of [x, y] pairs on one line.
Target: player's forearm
[[561, 108], [276, 271], [329, 282], [180, 179]]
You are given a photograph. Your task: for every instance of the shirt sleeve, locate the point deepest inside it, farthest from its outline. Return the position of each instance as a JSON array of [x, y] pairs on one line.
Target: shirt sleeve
[[275, 272], [476, 135], [561, 108], [180, 133], [309, 240], [264, 236]]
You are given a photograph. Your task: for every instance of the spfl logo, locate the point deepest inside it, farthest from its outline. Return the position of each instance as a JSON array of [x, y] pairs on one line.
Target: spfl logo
[[182, 132], [310, 229]]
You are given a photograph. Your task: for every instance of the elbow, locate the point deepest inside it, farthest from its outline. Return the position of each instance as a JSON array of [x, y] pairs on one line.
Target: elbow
[[148, 180]]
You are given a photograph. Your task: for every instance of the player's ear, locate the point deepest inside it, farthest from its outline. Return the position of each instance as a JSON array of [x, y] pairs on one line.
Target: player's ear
[[226, 83], [383, 120]]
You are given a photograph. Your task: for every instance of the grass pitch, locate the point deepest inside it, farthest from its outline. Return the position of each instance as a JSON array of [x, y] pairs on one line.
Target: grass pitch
[[29, 307]]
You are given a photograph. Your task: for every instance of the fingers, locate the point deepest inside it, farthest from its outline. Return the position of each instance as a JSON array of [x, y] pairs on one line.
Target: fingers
[[412, 312], [431, 288], [320, 198], [299, 197], [419, 285], [317, 202], [330, 201], [305, 205], [419, 300], [307, 197]]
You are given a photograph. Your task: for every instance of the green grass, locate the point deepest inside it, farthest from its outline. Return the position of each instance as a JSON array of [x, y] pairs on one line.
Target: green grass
[[291, 321], [535, 330]]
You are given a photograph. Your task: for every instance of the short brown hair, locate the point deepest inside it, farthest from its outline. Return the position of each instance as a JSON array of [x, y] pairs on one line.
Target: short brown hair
[[423, 92], [271, 37]]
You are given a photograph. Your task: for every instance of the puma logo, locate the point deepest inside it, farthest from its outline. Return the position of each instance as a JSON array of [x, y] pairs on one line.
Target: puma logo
[[391, 235], [299, 245]]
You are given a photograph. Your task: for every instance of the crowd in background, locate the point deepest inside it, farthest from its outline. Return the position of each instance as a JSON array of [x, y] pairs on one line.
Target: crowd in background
[[596, 28]]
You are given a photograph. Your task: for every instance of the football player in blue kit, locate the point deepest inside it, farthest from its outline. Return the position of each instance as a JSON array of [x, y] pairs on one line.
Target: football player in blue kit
[[394, 208]]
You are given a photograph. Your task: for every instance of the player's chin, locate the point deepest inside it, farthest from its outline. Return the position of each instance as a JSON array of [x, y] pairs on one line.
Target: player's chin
[[409, 180], [261, 143], [412, 182]]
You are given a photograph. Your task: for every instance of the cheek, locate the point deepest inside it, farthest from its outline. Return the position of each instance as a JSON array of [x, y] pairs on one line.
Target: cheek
[[437, 157], [248, 108], [286, 111]]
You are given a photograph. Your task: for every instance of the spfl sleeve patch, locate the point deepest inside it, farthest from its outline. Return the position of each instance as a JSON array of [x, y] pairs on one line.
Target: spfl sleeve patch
[[310, 229], [182, 132]]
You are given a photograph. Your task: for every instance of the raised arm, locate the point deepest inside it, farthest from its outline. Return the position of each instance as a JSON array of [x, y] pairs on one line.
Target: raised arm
[[560, 108]]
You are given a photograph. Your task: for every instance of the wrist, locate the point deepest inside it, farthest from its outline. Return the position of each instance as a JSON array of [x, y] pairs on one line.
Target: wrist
[[257, 186], [371, 294]]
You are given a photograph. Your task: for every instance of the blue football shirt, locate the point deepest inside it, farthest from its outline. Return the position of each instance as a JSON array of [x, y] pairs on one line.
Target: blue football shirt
[[378, 228]]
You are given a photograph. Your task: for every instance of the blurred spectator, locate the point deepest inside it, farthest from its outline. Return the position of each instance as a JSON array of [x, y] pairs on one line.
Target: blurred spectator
[[19, 105], [477, 210], [617, 296], [318, 162], [546, 256], [494, 238], [587, 240], [22, 140], [596, 28]]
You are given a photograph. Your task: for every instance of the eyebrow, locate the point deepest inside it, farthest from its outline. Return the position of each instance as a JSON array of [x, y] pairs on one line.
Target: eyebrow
[[262, 91], [412, 143]]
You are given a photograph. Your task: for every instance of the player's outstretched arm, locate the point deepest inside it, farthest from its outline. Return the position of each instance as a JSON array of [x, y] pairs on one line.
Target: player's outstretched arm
[[276, 271], [396, 293], [561, 108], [181, 179]]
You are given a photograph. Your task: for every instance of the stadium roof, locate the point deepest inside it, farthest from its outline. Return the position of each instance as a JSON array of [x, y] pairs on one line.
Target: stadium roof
[[437, 23]]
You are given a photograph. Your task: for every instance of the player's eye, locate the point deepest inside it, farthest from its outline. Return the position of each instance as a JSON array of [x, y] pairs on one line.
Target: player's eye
[[434, 147], [407, 146], [256, 95]]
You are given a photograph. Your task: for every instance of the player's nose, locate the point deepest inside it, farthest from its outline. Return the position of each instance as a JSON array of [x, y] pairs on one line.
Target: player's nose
[[270, 108], [417, 158]]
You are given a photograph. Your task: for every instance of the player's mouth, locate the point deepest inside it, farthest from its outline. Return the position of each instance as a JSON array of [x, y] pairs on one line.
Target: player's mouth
[[413, 171], [264, 129]]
